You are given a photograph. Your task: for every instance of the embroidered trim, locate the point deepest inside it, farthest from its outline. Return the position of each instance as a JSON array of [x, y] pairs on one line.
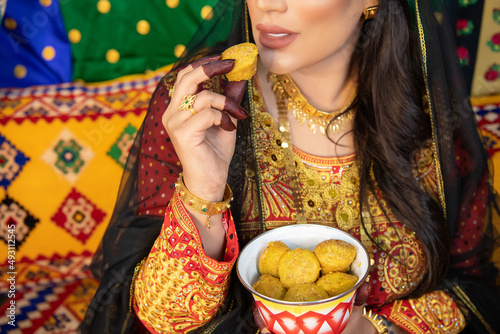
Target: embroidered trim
[[254, 139], [324, 162], [132, 285], [435, 148]]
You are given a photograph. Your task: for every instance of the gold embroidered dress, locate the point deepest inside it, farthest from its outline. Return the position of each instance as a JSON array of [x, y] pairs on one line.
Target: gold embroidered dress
[[180, 288]]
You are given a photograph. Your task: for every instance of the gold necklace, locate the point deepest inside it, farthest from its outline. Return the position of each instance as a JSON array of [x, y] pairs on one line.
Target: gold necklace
[[307, 201], [303, 111]]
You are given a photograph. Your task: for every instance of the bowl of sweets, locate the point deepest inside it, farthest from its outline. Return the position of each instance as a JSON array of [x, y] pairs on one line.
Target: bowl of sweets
[[304, 277]]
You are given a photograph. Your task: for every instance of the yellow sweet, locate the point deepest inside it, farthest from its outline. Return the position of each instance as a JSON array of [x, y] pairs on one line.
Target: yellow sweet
[[270, 286], [245, 65], [298, 266], [270, 258], [336, 283], [335, 255], [298, 270], [306, 292]]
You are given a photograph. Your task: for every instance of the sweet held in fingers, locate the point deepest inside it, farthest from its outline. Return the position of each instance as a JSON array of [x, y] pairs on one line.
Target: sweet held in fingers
[[244, 66]]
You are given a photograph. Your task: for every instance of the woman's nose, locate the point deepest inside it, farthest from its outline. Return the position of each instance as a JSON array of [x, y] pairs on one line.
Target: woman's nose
[[272, 5]]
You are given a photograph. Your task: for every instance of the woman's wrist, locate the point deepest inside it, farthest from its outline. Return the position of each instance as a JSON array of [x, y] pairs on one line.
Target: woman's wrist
[[391, 327], [204, 207], [213, 192], [376, 320]]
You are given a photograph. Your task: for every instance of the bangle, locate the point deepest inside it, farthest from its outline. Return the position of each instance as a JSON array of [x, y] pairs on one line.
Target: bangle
[[377, 322], [200, 205]]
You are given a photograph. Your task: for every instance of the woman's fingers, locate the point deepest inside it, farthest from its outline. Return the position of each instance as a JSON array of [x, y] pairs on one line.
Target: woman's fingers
[[202, 121], [234, 109], [191, 76], [204, 60], [217, 67], [226, 123], [192, 104], [185, 103], [208, 99], [235, 90], [362, 294], [197, 63]]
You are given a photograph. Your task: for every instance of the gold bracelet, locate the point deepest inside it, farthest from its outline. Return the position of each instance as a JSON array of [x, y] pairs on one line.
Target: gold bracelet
[[200, 205], [376, 321]]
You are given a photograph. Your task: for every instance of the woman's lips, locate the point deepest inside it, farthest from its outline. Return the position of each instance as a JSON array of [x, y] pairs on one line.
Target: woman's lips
[[274, 36]]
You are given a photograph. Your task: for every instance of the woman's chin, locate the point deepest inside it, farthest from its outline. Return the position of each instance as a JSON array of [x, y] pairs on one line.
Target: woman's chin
[[275, 63]]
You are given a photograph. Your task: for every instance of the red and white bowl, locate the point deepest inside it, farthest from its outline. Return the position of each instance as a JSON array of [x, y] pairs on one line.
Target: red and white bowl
[[323, 316]]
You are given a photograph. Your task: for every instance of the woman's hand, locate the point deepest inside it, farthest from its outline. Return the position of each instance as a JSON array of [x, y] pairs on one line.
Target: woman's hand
[[258, 320], [357, 323], [204, 139]]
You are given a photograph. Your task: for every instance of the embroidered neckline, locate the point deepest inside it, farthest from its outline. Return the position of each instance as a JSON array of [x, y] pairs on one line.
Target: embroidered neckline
[[324, 162]]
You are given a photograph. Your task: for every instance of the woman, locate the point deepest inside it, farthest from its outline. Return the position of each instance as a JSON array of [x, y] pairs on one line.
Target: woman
[[398, 164]]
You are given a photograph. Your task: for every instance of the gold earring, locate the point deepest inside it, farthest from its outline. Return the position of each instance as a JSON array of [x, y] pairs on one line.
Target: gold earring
[[370, 12]]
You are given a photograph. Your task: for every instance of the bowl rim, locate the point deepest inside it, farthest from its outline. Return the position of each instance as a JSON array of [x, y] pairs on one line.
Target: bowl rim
[[311, 303]]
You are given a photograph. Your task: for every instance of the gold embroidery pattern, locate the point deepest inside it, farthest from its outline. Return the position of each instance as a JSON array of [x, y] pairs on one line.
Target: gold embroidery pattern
[[404, 270], [424, 171], [179, 288], [434, 312], [403, 316], [439, 311], [330, 195]]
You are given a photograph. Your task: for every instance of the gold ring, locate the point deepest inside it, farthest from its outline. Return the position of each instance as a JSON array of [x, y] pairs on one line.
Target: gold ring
[[171, 91], [187, 103]]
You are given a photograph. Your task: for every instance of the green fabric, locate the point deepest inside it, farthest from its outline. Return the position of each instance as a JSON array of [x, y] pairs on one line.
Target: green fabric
[[117, 30]]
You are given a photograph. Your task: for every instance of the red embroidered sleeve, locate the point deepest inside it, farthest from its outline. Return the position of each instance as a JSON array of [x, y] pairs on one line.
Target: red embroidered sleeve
[[179, 288], [434, 312]]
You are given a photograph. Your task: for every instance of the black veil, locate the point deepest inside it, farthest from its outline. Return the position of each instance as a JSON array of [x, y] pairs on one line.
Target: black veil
[[454, 125]]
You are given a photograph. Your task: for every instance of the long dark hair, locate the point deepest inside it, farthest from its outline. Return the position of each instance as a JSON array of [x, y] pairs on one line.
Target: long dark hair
[[389, 125]]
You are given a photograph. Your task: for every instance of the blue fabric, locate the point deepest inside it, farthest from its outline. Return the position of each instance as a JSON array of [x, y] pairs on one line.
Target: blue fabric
[[36, 27]]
